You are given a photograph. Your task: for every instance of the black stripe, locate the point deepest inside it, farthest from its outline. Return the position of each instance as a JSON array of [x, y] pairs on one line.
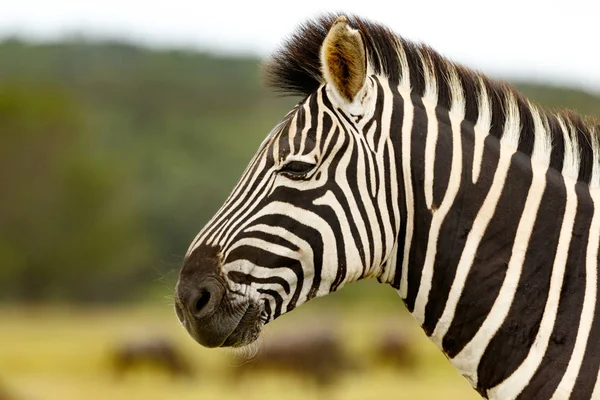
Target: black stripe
[[516, 335], [396, 137], [443, 84], [343, 200], [422, 221], [558, 144], [278, 300], [497, 97], [458, 222], [377, 115], [488, 270], [588, 373], [417, 77], [247, 279], [243, 185], [234, 224], [304, 232], [267, 306], [562, 341], [328, 214], [586, 153], [301, 123], [263, 258], [267, 237], [389, 200], [443, 156], [527, 137], [353, 180]]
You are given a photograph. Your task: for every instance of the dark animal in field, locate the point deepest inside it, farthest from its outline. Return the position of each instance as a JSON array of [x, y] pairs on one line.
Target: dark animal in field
[[316, 354], [158, 352], [4, 393], [395, 348]]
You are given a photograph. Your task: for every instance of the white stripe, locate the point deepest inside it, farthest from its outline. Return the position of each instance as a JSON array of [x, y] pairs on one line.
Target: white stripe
[[236, 197], [512, 124], [201, 236], [457, 115], [292, 133], [370, 144], [430, 145], [250, 200], [364, 158], [408, 189], [227, 236], [430, 101], [571, 158], [457, 94], [278, 180], [395, 194], [307, 119], [596, 391], [386, 176], [308, 218], [341, 178], [563, 391], [595, 181], [481, 129], [472, 243], [222, 217], [508, 147], [438, 219], [262, 271], [404, 84], [353, 271], [514, 384], [542, 145], [430, 93], [388, 271]]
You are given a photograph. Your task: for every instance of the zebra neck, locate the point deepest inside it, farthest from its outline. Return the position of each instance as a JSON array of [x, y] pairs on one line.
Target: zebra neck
[[498, 259]]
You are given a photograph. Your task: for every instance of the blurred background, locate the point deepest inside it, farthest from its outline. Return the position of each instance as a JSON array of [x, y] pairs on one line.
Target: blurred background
[[123, 127]]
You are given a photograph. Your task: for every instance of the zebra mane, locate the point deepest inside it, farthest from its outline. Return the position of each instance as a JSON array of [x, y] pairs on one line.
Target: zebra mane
[[572, 143]]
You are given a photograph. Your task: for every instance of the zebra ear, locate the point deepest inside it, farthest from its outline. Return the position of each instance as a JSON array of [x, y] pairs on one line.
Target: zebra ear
[[343, 59]]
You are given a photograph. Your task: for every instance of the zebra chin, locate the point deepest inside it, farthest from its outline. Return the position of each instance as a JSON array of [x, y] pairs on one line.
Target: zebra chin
[[212, 314], [224, 328]]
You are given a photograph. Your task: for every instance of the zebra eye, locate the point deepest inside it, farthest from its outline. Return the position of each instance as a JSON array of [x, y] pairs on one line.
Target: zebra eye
[[296, 169]]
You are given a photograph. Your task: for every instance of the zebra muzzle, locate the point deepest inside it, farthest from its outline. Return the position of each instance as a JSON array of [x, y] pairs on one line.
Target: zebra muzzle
[[205, 307]]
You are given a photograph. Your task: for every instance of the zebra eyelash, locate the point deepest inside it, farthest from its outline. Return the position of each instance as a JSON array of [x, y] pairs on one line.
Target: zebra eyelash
[[296, 169]]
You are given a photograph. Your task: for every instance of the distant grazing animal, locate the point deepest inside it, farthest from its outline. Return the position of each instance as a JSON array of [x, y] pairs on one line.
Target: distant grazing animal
[[394, 347], [481, 208], [5, 394], [315, 354], [158, 352]]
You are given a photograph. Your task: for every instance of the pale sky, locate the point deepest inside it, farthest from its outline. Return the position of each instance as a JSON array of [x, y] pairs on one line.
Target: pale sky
[[556, 41]]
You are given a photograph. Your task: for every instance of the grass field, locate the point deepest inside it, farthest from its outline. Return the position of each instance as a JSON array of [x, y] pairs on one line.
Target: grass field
[[60, 353]]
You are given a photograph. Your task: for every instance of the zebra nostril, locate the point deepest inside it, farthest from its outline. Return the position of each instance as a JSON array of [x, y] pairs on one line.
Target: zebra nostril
[[200, 302], [199, 299]]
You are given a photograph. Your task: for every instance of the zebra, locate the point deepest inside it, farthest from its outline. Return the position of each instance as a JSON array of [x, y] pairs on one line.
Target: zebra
[[475, 204]]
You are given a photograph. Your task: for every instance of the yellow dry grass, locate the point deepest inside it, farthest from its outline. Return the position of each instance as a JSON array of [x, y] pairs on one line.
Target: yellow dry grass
[[60, 353]]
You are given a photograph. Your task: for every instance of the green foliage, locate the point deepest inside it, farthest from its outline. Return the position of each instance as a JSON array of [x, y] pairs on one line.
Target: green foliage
[[64, 228], [112, 157], [556, 98]]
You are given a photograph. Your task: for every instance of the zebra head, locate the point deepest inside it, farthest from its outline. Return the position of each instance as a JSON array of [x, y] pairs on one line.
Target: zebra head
[[307, 214]]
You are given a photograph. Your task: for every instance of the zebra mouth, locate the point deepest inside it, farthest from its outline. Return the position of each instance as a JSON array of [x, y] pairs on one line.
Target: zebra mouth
[[248, 328], [224, 328]]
